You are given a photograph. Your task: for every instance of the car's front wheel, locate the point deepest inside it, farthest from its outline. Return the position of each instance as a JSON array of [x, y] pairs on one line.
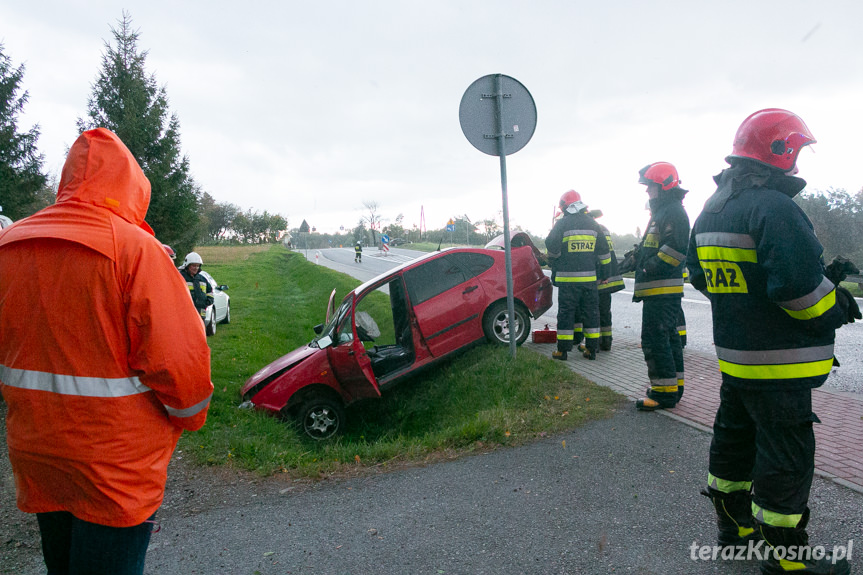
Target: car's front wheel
[[495, 324], [227, 315], [322, 417]]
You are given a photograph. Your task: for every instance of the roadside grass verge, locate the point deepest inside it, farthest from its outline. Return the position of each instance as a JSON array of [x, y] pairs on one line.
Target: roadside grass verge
[[477, 400]]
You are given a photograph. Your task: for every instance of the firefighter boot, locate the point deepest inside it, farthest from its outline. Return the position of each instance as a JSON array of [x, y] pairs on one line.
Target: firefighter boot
[[733, 517], [605, 343], [657, 400], [561, 355], [589, 353], [789, 552]]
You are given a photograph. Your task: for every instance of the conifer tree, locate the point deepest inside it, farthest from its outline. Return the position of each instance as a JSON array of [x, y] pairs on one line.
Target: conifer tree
[[129, 102], [21, 178]]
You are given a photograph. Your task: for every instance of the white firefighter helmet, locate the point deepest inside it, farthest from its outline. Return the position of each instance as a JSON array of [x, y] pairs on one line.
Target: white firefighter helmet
[[191, 258]]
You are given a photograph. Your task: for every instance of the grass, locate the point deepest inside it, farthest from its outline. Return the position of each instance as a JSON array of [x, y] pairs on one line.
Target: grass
[[478, 400], [854, 288]]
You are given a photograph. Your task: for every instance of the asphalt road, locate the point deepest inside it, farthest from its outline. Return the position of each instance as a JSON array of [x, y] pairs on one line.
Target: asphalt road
[[616, 496]]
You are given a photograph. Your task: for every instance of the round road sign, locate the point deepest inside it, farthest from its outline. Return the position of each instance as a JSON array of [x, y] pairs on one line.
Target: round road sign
[[478, 114]]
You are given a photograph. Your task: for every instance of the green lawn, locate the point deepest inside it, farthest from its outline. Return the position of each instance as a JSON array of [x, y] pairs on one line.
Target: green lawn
[[479, 399]]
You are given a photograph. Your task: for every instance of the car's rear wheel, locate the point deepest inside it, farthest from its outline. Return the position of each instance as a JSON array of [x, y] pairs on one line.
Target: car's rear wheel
[[495, 324], [321, 417], [227, 315]]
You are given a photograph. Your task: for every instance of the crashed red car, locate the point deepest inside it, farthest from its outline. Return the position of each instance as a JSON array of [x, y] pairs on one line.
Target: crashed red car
[[396, 323]]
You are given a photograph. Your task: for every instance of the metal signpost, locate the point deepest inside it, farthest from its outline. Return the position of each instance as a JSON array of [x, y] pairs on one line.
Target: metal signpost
[[498, 117]]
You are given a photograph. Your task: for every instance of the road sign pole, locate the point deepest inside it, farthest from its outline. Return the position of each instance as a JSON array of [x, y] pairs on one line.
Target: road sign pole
[[483, 118], [501, 146]]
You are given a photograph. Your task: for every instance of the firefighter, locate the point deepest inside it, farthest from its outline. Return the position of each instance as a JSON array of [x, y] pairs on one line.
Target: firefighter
[[579, 255], [659, 285], [199, 288], [753, 252], [358, 253], [606, 287]]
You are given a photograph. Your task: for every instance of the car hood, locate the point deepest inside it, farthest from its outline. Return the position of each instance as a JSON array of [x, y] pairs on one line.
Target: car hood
[[281, 364]]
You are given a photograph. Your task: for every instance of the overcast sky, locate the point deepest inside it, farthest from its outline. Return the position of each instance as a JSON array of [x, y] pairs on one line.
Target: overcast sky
[[309, 109]]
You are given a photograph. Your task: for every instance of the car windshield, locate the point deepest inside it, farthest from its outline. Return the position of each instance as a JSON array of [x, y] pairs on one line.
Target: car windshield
[[330, 328]]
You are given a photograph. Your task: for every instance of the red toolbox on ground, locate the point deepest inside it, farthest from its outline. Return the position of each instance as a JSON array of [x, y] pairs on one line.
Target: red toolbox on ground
[[545, 335]]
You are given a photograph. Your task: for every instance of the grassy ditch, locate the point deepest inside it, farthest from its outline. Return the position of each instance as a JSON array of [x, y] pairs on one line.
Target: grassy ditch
[[479, 399]]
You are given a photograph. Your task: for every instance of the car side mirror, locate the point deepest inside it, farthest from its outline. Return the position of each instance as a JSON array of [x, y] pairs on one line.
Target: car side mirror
[[318, 329], [223, 287]]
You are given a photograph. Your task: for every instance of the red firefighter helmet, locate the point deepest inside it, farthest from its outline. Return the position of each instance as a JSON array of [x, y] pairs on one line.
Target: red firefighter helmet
[[570, 202], [661, 173], [170, 251], [773, 137]]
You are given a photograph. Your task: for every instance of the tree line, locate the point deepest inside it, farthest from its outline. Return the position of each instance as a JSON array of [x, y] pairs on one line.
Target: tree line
[[128, 101]]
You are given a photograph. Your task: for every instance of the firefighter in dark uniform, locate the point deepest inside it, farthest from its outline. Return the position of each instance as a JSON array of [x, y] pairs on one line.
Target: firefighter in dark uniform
[[579, 255], [358, 252], [753, 252], [659, 268], [613, 283]]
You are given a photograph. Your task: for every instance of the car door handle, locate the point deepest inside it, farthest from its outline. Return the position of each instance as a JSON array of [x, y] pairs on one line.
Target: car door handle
[[470, 289], [350, 352]]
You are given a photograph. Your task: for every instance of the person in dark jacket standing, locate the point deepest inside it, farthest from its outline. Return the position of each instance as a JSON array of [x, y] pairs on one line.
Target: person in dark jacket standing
[[579, 255], [358, 253], [754, 253], [613, 283], [199, 287], [659, 285]]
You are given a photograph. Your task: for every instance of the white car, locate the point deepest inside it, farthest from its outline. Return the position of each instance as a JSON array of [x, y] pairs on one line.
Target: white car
[[220, 311]]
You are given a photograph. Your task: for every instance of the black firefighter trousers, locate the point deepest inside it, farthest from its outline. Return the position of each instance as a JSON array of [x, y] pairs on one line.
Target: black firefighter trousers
[[766, 437], [663, 352], [577, 301]]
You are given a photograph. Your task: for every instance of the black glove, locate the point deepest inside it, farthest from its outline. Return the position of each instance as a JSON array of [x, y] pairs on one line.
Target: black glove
[[849, 306], [839, 269], [628, 263]]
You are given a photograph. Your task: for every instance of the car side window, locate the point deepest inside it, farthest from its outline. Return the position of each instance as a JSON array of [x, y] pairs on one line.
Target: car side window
[[475, 264], [433, 278]]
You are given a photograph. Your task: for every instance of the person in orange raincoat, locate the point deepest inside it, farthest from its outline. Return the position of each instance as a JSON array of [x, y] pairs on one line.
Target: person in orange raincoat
[[103, 362]]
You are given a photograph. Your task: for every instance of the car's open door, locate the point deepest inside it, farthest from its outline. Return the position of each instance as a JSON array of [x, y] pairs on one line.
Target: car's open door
[[350, 361], [331, 306]]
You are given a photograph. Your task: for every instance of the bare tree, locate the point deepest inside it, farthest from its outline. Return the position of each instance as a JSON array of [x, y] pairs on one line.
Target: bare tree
[[372, 217]]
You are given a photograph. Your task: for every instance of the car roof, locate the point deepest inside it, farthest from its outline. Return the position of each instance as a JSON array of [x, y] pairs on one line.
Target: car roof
[[375, 280]]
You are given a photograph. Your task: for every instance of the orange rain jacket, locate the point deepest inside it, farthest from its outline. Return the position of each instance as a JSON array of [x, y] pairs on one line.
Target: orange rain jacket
[[103, 361]]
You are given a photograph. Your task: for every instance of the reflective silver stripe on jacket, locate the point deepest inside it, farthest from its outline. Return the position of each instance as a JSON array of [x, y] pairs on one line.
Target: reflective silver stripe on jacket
[[775, 356], [725, 239], [569, 233], [72, 384], [674, 282], [825, 287], [575, 274], [189, 411], [673, 253]]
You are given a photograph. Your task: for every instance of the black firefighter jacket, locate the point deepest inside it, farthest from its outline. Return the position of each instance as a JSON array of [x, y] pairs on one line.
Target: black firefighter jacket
[[578, 250], [662, 253], [755, 253]]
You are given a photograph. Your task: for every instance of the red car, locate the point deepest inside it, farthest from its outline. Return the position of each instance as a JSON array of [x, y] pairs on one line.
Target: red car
[[393, 325]]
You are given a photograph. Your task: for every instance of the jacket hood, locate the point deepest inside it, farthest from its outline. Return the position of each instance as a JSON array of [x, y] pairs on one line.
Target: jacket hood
[[100, 170]]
